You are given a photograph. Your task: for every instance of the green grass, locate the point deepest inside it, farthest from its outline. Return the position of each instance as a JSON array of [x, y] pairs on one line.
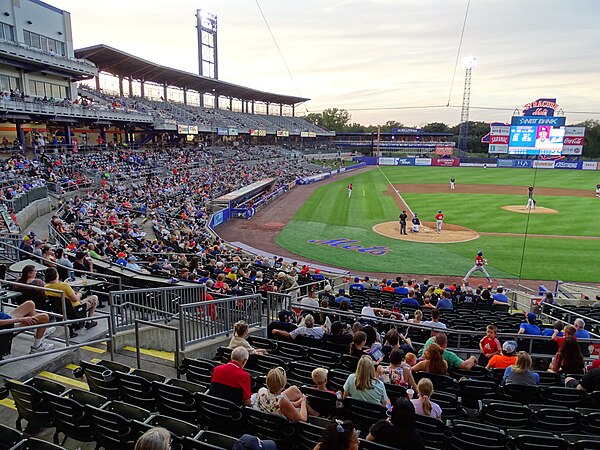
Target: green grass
[[329, 214]]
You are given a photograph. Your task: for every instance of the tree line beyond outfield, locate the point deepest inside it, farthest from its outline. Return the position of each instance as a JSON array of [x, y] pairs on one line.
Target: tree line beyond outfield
[[335, 119]]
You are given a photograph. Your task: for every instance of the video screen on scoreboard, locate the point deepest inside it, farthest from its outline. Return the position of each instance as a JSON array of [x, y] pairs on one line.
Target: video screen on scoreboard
[[536, 140]]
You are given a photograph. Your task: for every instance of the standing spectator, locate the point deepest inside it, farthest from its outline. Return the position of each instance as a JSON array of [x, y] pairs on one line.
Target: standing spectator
[[399, 430]]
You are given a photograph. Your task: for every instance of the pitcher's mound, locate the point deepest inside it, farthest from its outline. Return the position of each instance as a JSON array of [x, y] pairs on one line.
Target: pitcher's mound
[[427, 233], [523, 209]]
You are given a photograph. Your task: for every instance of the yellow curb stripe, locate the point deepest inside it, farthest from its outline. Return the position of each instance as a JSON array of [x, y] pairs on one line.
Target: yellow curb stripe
[[64, 380], [8, 403], [169, 356], [93, 349]]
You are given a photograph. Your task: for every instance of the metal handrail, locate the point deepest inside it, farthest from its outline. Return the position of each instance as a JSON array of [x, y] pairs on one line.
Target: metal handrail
[[164, 327]]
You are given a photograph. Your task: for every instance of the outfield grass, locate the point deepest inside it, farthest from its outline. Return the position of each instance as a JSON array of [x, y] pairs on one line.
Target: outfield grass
[[329, 214]]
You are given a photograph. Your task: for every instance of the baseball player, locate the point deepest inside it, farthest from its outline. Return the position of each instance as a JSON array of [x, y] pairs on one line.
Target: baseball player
[[452, 183], [350, 190], [439, 220], [530, 203], [598, 190], [530, 191], [479, 266], [416, 223], [402, 218]]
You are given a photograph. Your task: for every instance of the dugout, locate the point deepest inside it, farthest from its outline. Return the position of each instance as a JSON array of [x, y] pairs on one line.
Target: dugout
[[243, 197]]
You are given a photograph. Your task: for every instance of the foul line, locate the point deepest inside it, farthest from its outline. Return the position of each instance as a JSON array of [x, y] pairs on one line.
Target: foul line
[[396, 191]]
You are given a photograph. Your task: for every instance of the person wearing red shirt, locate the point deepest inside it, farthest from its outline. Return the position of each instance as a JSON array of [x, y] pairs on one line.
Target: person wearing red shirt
[[489, 345], [230, 381], [439, 220]]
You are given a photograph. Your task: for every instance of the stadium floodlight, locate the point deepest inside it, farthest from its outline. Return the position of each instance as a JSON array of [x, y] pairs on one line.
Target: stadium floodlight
[[470, 62]]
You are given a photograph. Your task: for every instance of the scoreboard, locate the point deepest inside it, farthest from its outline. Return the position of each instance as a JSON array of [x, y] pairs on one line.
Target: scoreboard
[[536, 135]]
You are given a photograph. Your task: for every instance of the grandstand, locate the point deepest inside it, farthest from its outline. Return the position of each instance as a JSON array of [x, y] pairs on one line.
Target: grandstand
[[136, 225]]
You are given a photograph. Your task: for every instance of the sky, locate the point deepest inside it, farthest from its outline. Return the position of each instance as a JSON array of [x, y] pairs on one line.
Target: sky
[[372, 57]]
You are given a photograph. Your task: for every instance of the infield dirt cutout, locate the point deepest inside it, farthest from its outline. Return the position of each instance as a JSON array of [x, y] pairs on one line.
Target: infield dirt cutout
[[523, 209], [427, 233]]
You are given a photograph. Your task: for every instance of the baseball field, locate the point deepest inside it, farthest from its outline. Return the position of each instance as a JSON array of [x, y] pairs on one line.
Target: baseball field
[[559, 239]]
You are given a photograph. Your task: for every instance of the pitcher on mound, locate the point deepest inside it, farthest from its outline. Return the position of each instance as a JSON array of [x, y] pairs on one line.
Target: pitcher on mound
[[479, 266]]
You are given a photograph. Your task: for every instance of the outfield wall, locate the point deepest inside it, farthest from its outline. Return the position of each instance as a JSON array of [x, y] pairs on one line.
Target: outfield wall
[[462, 162]]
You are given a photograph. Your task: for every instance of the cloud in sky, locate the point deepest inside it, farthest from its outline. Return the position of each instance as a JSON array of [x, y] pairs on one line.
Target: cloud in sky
[[374, 53]]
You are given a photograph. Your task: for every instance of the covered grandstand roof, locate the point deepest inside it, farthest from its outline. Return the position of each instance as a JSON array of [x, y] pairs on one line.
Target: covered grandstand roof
[[123, 64]]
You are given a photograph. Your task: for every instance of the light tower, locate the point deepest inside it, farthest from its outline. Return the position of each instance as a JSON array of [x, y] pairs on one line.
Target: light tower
[[208, 62], [463, 137]]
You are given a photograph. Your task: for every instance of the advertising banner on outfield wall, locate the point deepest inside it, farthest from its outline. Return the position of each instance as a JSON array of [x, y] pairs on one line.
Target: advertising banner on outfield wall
[[543, 164], [568, 164], [468, 164], [589, 165], [422, 161], [498, 149], [405, 161], [572, 150], [445, 162], [519, 163], [386, 161]]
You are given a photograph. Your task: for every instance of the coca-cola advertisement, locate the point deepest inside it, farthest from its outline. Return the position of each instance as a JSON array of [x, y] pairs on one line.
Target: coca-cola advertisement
[[573, 140]]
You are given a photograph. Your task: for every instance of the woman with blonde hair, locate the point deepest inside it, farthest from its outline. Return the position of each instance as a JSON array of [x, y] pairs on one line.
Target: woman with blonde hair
[[290, 403], [364, 385], [418, 317], [433, 362], [423, 405], [520, 372], [240, 333]]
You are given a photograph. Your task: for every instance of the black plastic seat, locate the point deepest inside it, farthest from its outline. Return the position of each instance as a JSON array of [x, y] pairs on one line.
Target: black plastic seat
[[519, 393], [476, 373], [292, 351], [179, 429], [476, 436], [433, 431], [268, 426], [9, 437], [324, 402], [563, 396], [535, 440], [307, 435], [349, 362], [324, 358], [582, 441], [555, 419], [216, 439], [100, 380], [218, 414], [301, 371], [264, 363], [336, 379], [136, 390], [440, 382], [264, 343], [175, 401], [126, 410], [473, 392], [86, 397], [111, 431], [30, 405], [198, 370], [36, 444], [69, 417], [505, 414], [590, 421], [363, 414], [549, 378], [448, 401]]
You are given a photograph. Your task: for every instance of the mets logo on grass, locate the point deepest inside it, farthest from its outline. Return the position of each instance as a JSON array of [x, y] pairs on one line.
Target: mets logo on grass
[[350, 244]]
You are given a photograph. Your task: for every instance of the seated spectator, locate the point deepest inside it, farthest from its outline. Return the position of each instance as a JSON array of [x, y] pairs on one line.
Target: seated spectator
[[499, 298], [307, 330], [489, 345], [423, 405], [485, 298], [64, 264], [310, 302], [520, 372], [326, 295], [433, 361], [444, 302], [590, 381], [121, 259], [558, 326], [581, 332], [410, 300], [90, 302], [568, 331], [24, 315], [341, 297], [398, 372], [399, 430], [319, 377], [290, 403], [240, 333], [284, 323], [418, 317], [435, 320], [249, 442], [358, 345], [357, 286], [427, 302], [338, 435], [37, 296], [568, 358], [230, 381], [339, 334], [156, 438], [82, 262], [530, 326], [453, 360], [504, 359], [364, 385]]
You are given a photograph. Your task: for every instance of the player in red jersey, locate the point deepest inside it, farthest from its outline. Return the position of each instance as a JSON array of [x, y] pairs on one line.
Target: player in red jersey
[[479, 266], [439, 220]]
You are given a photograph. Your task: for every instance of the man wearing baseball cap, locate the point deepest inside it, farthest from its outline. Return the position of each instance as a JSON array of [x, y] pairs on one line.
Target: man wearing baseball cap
[[249, 442], [529, 327]]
